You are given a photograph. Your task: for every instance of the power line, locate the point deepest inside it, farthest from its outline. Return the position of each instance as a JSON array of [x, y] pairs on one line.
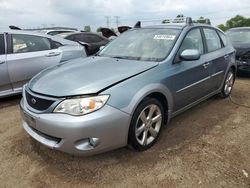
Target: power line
[[107, 20], [117, 20]]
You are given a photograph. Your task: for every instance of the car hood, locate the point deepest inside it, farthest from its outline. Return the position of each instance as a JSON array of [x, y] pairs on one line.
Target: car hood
[[241, 49], [86, 76]]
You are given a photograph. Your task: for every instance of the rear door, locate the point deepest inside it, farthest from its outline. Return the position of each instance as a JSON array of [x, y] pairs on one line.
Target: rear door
[[191, 78], [27, 56], [216, 57], [5, 85]]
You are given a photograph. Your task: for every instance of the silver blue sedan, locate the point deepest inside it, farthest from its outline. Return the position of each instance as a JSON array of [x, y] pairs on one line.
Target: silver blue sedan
[[23, 54]]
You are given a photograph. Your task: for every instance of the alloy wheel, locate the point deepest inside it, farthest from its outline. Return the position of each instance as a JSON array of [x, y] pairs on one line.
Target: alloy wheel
[[148, 124], [229, 83]]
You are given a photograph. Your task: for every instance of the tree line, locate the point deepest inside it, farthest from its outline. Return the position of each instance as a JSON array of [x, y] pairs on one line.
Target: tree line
[[237, 21]]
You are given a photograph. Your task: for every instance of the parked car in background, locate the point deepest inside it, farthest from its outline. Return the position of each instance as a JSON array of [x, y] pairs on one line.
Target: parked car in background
[[24, 54], [110, 34], [56, 31], [129, 90], [91, 41], [240, 38]]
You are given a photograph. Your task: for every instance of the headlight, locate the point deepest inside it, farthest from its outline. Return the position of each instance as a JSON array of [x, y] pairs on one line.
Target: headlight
[[81, 106]]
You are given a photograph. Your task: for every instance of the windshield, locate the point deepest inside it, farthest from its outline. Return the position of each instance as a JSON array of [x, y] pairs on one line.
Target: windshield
[[142, 44], [240, 36]]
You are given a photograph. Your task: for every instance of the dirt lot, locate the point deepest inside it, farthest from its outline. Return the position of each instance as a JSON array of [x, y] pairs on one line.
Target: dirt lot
[[207, 146]]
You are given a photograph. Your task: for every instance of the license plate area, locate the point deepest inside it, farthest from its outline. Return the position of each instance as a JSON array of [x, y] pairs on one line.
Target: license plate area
[[31, 121]]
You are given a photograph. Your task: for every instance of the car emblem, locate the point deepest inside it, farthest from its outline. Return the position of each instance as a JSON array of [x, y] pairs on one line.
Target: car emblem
[[33, 101]]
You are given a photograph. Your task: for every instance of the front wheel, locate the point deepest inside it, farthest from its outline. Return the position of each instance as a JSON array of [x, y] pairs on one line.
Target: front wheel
[[146, 125], [228, 84]]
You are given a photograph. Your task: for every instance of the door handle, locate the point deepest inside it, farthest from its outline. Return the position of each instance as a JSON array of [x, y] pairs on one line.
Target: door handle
[[2, 62], [226, 56], [205, 65], [51, 54]]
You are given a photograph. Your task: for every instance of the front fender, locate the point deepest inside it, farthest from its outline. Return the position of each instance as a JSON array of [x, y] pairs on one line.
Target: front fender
[[144, 92]]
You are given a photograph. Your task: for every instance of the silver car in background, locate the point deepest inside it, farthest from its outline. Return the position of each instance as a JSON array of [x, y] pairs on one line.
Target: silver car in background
[[23, 54]]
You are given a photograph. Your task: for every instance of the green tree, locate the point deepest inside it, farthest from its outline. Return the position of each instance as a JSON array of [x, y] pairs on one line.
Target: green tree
[[87, 28], [201, 20], [179, 19], [222, 27], [98, 29], [165, 21], [238, 21]]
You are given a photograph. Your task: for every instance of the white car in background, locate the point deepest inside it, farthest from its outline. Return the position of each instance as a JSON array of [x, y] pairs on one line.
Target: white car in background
[[54, 32], [23, 54]]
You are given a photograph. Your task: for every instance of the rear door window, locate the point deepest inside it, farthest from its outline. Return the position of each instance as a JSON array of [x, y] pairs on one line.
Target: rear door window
[[95, 38], [2, 44], [29, 43], [212, 40]]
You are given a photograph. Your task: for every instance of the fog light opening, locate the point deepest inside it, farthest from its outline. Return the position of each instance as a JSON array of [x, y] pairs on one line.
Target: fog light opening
[[94, 141]]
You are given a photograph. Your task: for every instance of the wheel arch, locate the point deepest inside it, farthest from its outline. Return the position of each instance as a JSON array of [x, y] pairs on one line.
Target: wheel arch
[[157, 91]]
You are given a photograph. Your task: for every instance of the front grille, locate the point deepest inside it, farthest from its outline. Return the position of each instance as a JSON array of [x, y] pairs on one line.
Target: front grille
[[38, 103]]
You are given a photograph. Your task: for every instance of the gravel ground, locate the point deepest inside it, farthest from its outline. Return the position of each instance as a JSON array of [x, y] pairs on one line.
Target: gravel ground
[[207, 146]]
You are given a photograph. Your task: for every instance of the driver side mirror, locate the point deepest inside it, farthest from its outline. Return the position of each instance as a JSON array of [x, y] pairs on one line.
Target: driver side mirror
[[190, 54]]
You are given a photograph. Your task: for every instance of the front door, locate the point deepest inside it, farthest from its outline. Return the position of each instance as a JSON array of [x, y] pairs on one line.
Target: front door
[[191, 78]]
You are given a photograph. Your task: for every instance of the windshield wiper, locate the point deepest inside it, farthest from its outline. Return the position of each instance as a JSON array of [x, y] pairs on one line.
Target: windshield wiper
[[126, 57], [120, 57]]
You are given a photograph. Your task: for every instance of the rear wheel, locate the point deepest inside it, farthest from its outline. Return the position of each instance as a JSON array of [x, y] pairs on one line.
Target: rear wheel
[[228, 84], [146, 125]]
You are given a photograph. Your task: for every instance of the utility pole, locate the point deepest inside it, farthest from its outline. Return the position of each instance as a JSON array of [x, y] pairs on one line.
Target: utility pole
[[117, 20], [107, 20]]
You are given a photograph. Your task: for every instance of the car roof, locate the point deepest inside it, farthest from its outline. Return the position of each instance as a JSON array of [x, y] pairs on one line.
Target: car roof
[[66, 34], [239, 28]]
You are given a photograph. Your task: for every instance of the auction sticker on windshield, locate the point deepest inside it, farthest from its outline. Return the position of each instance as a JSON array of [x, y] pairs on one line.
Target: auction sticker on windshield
[[164, 37]]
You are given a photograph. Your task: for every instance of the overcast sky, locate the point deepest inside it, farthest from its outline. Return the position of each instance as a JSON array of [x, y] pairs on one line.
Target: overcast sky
[[78, 13]]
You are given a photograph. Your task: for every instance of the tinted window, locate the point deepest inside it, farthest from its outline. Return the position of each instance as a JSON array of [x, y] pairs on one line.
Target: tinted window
[[212, 39], [55, 44], [95, 38], [71, 37], [223, 38], [193, 40], [85, 38], [2, 46], [29, 43]]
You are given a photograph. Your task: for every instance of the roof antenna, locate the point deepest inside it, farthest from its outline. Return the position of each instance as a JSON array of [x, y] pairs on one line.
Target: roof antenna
[[189, 21], [138, 24]]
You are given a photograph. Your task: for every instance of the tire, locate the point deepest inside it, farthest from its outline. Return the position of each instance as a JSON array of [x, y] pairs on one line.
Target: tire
[[146, 125], [228, 84]]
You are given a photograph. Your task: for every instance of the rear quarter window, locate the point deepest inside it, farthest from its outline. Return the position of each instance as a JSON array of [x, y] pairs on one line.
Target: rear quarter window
[[2, 44], [223, 38]]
